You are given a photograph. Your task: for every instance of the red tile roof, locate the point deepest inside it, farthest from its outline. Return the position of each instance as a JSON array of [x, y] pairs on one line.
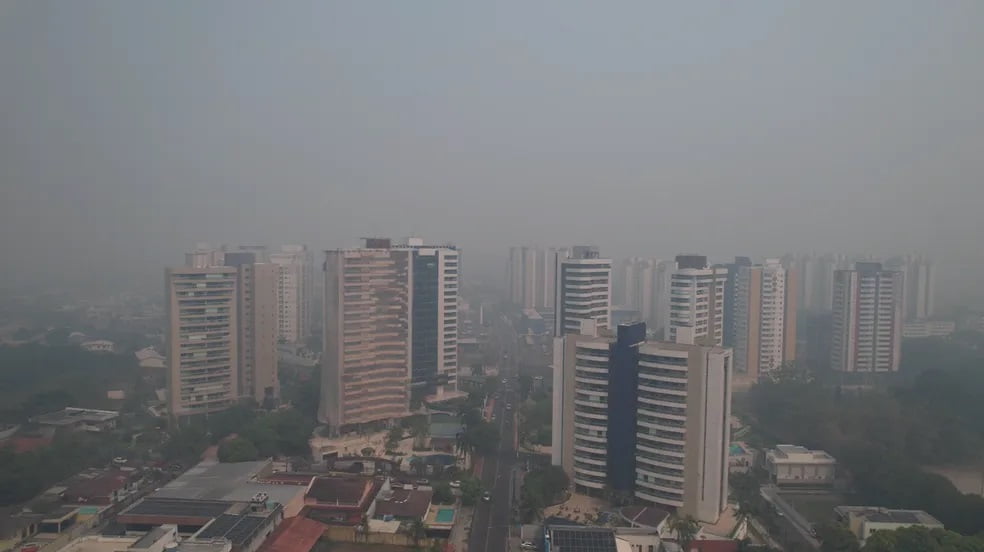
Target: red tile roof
[[296, 534]]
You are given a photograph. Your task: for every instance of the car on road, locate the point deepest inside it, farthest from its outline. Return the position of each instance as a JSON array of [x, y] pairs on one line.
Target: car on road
[[508, 406], [504, 381], [423, 482], [527, 545], [455, 484], [486, 497]]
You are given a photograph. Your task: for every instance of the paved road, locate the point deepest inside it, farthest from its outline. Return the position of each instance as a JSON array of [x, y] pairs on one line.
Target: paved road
[[490, 526]]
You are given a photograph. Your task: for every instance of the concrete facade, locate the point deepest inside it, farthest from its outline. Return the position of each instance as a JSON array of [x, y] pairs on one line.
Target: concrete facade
[[366, 359], [202, 339], [867, 319], [294, 292], [792, 465], [696, 302], [583, 290], [763, 317]]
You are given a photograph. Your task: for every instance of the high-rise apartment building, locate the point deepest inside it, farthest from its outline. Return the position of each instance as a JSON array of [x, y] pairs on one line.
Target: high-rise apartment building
[[434, 273], [365, 366], [696, 310], [867, 319], [636, 287], [256, 322], [583, 289], [728, 339], [532, 277], [202, 339], [647, 420], [918, 285], [763, 317], [294, 289]]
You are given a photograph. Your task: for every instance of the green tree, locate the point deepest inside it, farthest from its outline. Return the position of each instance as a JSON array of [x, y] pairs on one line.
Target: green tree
[[417, 531], [393, 438], [237, 449], [835, 537], [686, 529], [442, 493], [471, 490]]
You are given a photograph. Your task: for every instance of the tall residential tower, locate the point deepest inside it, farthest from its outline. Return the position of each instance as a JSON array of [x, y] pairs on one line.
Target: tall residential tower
[[867, 319]]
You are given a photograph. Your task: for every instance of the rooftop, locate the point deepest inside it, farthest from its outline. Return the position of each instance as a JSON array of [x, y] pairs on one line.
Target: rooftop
[[296, 534], [236, 482], [798, 453], [154, 536], [239, 528], [405, 504], [154, 510], [567, 538], [646, 516], [96, 484], [885, 515], [343, 491], [72, 415]]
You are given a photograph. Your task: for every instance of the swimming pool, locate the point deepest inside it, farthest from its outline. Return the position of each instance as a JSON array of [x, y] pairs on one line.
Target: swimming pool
[[444, 515]]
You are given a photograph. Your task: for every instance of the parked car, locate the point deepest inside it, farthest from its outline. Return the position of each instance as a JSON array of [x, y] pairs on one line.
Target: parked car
[[455, 484], [423, 482], [486, 497], [527, 545]]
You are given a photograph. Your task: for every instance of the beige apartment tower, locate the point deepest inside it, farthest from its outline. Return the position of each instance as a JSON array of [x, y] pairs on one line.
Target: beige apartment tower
[[202, 339], [765, 305], [366, 359], [294, 281], [867, 319]]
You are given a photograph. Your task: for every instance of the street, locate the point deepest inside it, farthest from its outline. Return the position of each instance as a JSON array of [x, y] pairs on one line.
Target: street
[[491, 524]]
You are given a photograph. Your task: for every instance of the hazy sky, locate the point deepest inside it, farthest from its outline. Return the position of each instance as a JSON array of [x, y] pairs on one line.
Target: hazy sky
[[131, 130]]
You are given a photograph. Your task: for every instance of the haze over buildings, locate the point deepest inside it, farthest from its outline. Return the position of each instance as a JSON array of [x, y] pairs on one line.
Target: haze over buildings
[[134, 129]]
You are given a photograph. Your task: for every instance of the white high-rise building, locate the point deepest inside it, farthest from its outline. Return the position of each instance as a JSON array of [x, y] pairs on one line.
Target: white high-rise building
[[532, 277], [644, 419], [867, 319], [294, 287], [583, 290], [696, 310], [764, 317], [636, 287], [202, 339]]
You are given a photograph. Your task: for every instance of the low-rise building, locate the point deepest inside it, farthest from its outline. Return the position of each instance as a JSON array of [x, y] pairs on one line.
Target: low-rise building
[[79, 419], [342, 500], [296, 534], [865, 520], [99, 346], [928, 328], [99, 487], [403, 504], [793, 465], [149, 358]]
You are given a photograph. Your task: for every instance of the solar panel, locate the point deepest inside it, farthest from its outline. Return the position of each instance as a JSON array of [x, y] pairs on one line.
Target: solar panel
[[591, 540]]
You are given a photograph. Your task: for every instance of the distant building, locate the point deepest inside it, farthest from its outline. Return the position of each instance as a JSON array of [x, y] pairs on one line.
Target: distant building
[[80, 419], [99, 346], [918, 285], [149, 358], [696, 309], [867, 319], [531, 276], [928, 328], [741, 458], [793, 465], [865, 520], [532, 323], [763, 317], [295, 282], [583, 289]]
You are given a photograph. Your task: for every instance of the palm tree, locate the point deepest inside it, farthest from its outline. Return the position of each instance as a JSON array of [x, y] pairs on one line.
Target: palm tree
[[686, 529], [363, 528], [417, 531]]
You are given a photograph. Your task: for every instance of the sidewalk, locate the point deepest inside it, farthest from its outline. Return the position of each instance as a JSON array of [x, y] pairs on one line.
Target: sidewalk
[[459, 533]]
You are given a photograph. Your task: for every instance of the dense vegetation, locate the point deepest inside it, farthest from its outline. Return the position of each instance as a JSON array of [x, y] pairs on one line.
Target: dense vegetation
[[23, 476], [883, 436], [81, 378], [541, 488]]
